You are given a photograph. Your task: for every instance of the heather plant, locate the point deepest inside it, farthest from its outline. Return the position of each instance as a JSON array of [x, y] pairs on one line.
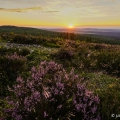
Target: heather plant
[[109, 61], [65, 54], [15, 61], [32, 39], [10, 67], [36, 56], [10, 49], [89, 57], [4, 50], [24, 51], [50, 93], [76, 54]]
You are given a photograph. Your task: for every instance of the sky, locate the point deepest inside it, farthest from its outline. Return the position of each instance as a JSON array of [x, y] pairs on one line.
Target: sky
[[60, 13]]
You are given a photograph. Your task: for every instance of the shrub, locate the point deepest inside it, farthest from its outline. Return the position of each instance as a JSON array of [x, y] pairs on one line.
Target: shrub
[[8, 50], [109, 61], [10, 67], [50, 93], [24, 51], [15, 62], [66, 52]]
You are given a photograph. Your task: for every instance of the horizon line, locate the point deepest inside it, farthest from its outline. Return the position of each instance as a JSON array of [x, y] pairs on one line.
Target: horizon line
[[82, 26]]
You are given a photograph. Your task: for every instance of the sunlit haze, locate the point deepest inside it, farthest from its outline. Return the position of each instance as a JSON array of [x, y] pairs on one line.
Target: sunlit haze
[[70, 26], [60, 13]]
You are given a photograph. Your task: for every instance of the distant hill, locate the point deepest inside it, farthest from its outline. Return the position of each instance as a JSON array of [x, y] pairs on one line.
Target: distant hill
[[115, 33], [108, 36], [25, 30], [103, 32]]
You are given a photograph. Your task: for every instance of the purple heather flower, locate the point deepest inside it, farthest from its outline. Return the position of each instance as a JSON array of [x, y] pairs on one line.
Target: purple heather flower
[[60, 85], [56, 91], [93, 109], [78, 106], [61, 92], [45, 114], [60, 106]]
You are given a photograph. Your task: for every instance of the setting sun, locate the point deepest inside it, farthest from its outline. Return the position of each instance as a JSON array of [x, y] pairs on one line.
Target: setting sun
[[70, 26]]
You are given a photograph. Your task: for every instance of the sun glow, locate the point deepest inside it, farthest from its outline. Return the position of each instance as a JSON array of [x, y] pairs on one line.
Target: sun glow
[[70, 26]]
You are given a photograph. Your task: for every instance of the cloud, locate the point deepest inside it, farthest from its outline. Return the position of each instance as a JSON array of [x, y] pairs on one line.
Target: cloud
[[51, 11], [21, 9], [28, 9]]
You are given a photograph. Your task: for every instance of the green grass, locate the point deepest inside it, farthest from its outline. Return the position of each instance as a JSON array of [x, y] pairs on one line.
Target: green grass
[[108, 90], [100, 81]]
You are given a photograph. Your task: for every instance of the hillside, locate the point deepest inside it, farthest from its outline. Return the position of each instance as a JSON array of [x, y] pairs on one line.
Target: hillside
[[25, 30], [55, 63], [88, 35]]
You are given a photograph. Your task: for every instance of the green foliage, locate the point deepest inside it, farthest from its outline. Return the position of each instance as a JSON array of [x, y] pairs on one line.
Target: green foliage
[[88, 57], [109, 61], [110, 101], [108, 90], [65, 53], [10, 67], [24, 51], [36, 56], [6, 50], [2, 105]]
